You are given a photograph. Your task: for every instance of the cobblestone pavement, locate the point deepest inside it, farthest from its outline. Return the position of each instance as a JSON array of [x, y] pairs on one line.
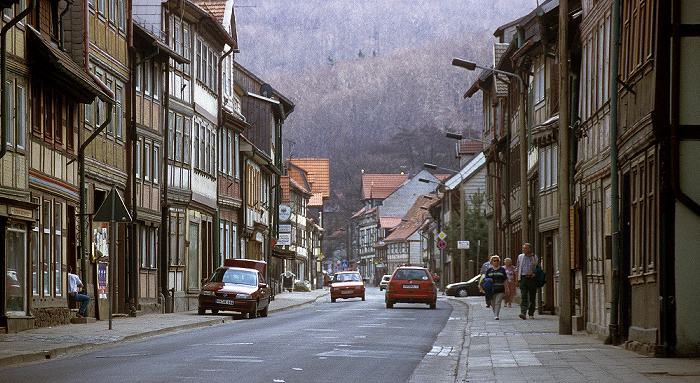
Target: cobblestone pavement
[[474, 347], [50, 342]]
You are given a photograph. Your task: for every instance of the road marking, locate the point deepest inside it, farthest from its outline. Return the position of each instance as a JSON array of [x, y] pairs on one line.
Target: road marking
[[320, 329], [296, 369], [237, 358], [120, 355], [357, 353]]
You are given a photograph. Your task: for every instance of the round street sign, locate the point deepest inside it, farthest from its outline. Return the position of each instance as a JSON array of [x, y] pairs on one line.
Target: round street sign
[[442, 244]]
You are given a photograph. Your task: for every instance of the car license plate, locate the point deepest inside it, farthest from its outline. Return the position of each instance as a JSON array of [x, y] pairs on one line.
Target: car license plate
[[226, 302], [411, 286], [346, 292]]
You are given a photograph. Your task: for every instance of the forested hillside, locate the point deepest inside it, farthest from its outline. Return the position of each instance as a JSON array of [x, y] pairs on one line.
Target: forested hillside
[[371, 79]]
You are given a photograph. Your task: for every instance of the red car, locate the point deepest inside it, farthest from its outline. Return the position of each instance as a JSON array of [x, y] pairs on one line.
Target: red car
[[411, 284], [347, 284], [237, 286]]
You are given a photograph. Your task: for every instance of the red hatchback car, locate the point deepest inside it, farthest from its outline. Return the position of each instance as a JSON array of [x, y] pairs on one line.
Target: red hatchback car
[[411, 284], [237, 286], [347, 284]]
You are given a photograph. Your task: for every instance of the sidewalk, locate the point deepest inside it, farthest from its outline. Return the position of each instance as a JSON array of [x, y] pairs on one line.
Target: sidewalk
[[50, 342], [482, 349]]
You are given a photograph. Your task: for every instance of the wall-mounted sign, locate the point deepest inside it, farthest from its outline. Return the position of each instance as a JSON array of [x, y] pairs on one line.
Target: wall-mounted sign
[[285, 228], [285, 212], [462, 244], [284, 239], [24, 213]]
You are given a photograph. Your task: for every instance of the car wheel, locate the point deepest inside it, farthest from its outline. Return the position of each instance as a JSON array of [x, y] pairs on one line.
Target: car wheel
[[214, 311], [254, 312], [433, 305], [381, 288], [332, 300], [263, 312], [462, 293], [389, 305], [363, 296], [201, 311]]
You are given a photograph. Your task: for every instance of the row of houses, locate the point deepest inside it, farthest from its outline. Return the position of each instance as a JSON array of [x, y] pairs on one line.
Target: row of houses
[[142, 98], [599, 95]]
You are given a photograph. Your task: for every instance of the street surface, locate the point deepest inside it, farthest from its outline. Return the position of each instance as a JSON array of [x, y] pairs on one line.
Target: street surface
[[346, 341]]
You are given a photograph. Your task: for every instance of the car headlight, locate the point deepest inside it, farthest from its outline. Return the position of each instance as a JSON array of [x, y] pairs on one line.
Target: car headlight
[[207, 292], [243, 296]]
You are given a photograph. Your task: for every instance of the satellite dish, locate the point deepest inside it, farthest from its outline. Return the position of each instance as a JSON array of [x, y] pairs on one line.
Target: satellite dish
[[266, 90]]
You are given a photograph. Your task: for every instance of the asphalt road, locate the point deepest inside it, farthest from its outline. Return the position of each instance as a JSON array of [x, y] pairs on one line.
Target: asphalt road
[[346, 341]]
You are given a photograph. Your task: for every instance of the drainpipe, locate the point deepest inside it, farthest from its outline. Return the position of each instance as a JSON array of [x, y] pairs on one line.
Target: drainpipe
[[81, 150], [613, 327], [3, 73]]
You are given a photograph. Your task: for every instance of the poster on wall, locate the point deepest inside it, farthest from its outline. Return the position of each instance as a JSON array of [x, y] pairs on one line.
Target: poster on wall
[[102, 268], [100, 243]]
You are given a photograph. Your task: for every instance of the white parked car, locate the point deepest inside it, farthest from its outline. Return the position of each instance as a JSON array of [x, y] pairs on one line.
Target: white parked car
[[384, 282]]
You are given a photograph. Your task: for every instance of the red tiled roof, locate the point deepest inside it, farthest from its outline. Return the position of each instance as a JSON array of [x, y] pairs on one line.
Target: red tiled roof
[[380, 186], [215, 8], [469, 147], [389, 222], [316, 200], [318, 171]]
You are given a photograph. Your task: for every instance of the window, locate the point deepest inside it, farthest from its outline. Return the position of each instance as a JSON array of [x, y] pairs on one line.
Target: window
[[118, 108], [58, 248], [156, 168], [36, 258], [138, 160], [46, 238], [147, 161], [21, 117], [178, 138], [195, 142], [10, 112]]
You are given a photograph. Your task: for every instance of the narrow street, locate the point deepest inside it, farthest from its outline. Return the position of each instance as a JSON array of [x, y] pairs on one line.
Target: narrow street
[[349, 341]]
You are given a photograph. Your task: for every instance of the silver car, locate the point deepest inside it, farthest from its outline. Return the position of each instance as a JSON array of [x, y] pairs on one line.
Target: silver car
[[384, 282]]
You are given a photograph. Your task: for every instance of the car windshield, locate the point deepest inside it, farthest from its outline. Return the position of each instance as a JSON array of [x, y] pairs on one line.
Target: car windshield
[[410, 274], [240, 277], [353, 277]]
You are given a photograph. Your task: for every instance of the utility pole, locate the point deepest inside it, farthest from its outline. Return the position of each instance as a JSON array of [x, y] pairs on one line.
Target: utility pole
[[565, 305]]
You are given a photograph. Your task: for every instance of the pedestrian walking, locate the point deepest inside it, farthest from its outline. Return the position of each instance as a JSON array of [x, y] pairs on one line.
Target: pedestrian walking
[[484, 268], [510, 283], [497, 274], [74, 287], [526, 280]]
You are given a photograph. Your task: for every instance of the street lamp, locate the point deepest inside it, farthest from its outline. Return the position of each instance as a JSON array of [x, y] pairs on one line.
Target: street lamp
[[523, 144], [463, 261]]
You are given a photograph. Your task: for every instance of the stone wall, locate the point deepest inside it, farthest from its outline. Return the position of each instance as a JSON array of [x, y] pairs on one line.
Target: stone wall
[[51, 316]]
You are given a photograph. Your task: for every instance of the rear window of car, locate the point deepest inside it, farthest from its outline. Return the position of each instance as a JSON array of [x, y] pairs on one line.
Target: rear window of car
[[351, 277], [406, 274]]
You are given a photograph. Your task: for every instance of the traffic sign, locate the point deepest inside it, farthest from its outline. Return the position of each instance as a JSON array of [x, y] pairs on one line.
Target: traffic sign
[[442, 235], [462, 244], [442, 244]]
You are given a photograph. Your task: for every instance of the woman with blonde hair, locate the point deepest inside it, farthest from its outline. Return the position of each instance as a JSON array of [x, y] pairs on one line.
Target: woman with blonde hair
[[510, 272]]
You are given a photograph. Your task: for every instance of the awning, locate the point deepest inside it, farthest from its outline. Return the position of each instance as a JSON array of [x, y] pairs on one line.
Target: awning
[[56, 66]]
